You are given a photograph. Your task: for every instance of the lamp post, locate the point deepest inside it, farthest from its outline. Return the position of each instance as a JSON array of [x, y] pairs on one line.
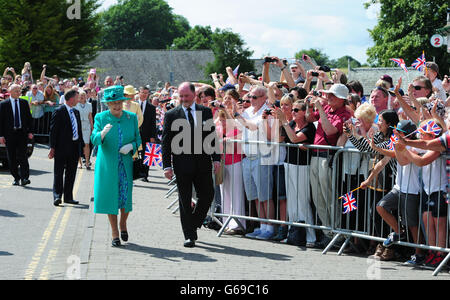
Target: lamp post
[[171, 63]]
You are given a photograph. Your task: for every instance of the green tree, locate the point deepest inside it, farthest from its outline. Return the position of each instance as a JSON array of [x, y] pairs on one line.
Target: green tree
[[404, 30], [141, 24], [342, 62], [317, 54], [41, 32], [229, 51], [196, 38]]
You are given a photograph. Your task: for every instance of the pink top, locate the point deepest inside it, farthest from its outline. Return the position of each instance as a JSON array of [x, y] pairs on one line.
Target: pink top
[[233, 151]]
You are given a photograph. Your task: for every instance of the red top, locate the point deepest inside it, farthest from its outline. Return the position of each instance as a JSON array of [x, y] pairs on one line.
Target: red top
[[233, 153], [337, 119]]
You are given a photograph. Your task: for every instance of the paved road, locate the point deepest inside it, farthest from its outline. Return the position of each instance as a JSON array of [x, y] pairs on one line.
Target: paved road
[[39, 241]]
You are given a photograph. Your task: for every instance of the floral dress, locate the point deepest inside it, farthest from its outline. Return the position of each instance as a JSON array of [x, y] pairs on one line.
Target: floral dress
[[123, 182]]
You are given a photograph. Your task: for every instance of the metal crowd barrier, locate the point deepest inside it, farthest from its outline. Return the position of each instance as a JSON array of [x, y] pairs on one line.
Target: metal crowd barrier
[[347, 168], [42, 125]]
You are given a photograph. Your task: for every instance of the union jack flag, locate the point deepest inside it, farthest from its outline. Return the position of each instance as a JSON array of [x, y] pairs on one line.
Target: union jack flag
[[392, 141], [419, 63], [153, 155], [401, 63], [349, 203], [430, 127]]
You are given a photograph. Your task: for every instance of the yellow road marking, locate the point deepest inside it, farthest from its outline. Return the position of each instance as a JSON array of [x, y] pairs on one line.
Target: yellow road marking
[[56, 242]]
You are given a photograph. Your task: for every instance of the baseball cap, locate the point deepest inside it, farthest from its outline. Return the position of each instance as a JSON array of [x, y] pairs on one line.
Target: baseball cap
[[433, 66], [406, 126], [387, 78], [339, 90]]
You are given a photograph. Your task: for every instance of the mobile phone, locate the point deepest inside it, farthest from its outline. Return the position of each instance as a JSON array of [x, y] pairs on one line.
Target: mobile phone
[[269, 60], [268, 112], [304, 56], [315, 74]]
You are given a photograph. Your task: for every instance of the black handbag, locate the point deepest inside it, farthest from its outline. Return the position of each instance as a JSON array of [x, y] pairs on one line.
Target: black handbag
[[139, 170]]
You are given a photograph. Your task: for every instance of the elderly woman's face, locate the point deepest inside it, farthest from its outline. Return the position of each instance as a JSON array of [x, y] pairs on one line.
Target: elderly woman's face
[[115, 107]]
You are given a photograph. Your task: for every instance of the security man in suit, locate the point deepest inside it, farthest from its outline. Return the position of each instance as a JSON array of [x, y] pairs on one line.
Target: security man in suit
[[148, 127], [192, 125], [15, 131], [66, 142]]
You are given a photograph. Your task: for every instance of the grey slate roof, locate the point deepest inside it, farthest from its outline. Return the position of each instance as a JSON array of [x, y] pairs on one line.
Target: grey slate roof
[[147, 67]]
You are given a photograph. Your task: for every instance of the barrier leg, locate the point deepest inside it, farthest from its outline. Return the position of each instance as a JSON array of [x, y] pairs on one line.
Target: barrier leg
[[171, 191], [347, 240], [224, 226], [443, 263], [172, 204], [331, 243]]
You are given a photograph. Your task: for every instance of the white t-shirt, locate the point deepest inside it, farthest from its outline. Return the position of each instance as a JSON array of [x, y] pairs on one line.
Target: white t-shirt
[[270, 154], [407, 180], [434, 176], [437, 83]]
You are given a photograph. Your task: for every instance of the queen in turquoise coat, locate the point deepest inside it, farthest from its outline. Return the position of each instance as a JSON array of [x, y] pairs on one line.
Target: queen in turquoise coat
[[116, 134]]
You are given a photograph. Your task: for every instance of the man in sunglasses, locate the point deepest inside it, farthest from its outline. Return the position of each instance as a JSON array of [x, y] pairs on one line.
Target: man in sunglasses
[[257, 164]]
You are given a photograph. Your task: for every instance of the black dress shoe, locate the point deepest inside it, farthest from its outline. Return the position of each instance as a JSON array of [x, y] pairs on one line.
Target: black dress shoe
[[57, 202], [144, 179], [116, 242], [71, 202], [124, 236], [24, 182], [16, 182], [189, 243]]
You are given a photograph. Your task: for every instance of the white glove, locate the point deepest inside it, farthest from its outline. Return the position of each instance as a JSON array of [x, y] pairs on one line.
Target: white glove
[[126, 149], [105, 130]]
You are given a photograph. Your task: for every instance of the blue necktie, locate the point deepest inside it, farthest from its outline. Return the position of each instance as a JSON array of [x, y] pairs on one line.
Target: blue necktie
[[74, 125], [16, 114]]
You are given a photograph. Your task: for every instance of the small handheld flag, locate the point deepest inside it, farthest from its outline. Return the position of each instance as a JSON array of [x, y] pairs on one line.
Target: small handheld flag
[[392, 141], [430, 127], [153, 155], [349, 203], [401, 63], [419, 63]]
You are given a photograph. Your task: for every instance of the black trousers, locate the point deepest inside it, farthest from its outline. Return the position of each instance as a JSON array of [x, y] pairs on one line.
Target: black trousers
[[16, 148], [191, 219], [65, 170]]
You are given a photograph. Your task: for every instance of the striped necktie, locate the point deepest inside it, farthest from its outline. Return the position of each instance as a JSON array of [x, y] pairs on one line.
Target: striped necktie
[[74, 125]]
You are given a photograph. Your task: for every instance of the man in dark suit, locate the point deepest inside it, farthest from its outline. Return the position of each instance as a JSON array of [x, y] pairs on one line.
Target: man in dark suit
[[191, 162], [148, 127], [66, 142], [15, 130]]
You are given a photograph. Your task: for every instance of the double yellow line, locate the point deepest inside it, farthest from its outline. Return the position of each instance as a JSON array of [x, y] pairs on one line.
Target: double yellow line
[[36, 259]]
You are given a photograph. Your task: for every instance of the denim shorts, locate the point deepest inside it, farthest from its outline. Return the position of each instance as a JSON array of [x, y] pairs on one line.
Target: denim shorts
[[258, 179], [409, 207]]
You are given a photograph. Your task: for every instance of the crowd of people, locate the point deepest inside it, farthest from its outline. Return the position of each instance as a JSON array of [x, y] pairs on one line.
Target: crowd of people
[[402, 192]]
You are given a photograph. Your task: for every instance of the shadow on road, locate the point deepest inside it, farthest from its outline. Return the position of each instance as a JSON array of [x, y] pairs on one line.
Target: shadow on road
[[10, 214], [167, 254], [242, 252]]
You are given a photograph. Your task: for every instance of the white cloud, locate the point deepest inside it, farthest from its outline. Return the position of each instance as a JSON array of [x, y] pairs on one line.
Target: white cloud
[[284, 27]]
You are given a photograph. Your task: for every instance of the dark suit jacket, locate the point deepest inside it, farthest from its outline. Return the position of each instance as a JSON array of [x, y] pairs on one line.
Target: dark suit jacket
[[187, 162], [61, 133], [148, 127], [7, 117]]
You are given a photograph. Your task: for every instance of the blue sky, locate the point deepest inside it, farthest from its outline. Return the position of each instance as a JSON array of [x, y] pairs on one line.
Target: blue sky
[[284, 27]]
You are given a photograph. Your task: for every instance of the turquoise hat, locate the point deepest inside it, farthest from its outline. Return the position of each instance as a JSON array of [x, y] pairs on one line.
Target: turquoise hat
[[113, 93]]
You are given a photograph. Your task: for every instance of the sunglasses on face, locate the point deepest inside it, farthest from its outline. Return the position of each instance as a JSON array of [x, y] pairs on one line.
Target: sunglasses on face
[[244, 101], [418, 87], [296, 110]]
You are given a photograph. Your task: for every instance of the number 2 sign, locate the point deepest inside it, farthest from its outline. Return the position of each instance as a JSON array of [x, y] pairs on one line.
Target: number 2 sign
[[437, 40]]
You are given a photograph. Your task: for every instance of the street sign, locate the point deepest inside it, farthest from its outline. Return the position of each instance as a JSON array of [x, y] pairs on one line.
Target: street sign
[[437, 40]]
